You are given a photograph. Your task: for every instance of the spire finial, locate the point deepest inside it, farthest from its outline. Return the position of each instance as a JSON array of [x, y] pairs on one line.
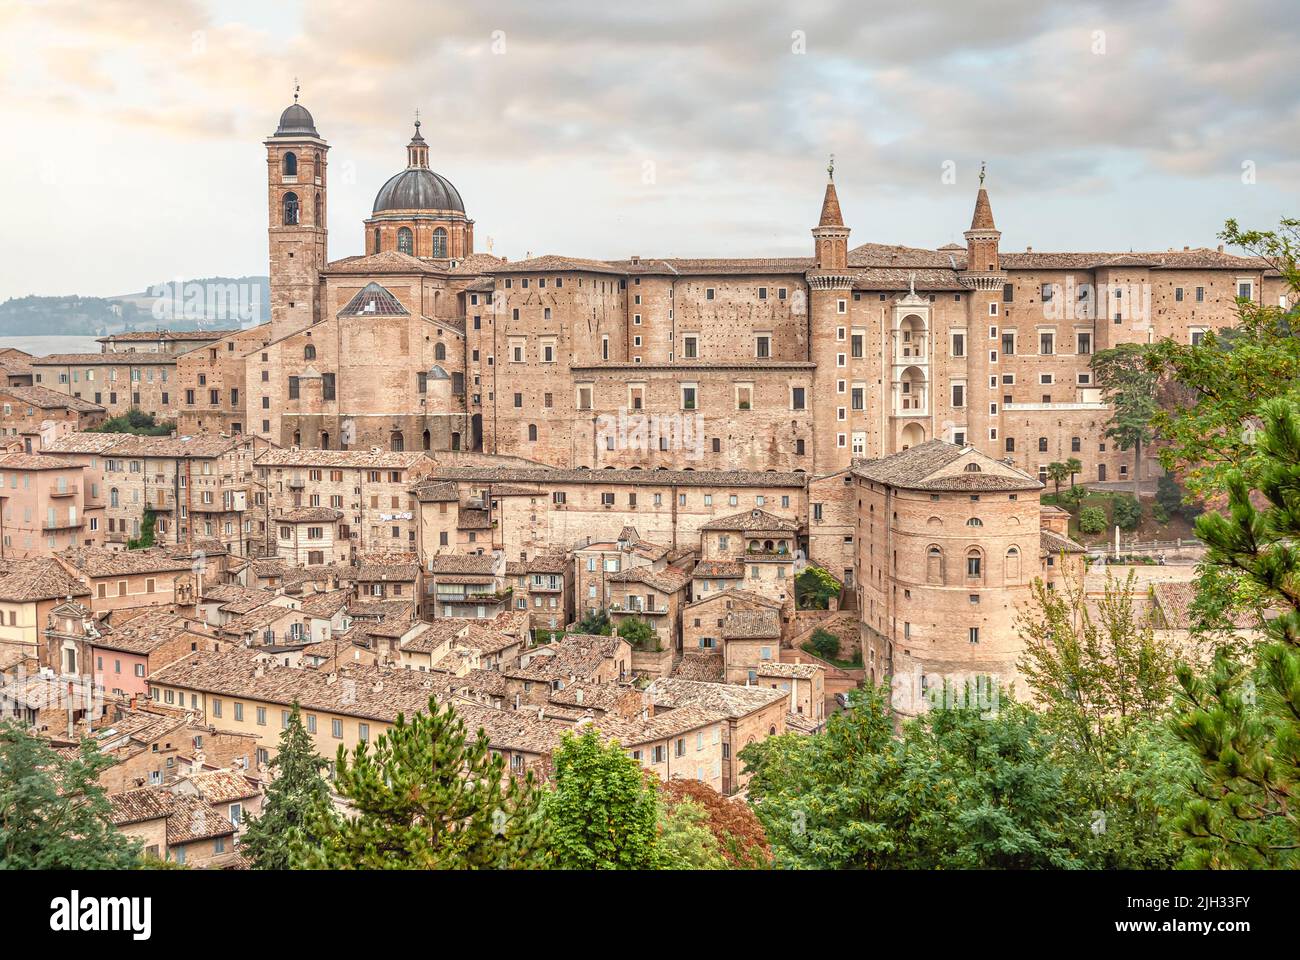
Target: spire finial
[[982, 165], [830, 168], [417, 118], [296, 88]]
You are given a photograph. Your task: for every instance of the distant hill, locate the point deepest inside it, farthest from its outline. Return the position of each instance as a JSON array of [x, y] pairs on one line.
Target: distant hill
[[196, 304]]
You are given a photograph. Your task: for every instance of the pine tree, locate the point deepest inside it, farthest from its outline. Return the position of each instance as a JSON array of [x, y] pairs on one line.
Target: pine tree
[[428, 796], [603, 814], [1242, 719], [298, 795], [54, 815]]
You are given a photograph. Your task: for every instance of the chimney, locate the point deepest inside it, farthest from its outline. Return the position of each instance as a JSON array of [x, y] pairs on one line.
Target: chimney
[[331, 679], [259, 670], [578, 696], [1221, 248], [378, 687]]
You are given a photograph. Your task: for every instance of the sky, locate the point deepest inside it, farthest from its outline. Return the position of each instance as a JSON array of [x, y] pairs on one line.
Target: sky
[[133, 128]]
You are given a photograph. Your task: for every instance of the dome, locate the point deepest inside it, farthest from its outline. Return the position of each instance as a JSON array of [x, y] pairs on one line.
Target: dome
[[418, 188], [296, 121]]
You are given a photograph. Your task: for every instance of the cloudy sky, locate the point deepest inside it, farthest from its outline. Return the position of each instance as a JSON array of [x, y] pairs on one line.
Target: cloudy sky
[[133, 128]]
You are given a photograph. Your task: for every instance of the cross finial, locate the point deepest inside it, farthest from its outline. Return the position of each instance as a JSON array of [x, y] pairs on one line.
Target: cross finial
[[830, 168], [295, 89], [982, 165]]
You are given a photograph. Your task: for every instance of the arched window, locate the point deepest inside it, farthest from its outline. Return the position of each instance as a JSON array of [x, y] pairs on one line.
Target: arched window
[[974, 522], [1042, 444], [426, 440], [291, 165], [532, 431], [297, 438], [113, 498], [405, 241], [439, 243], [973, 468], [324, 441], [396, 442], [376, 239], [317, 217], [440, 351], [1012, 572], [455, 441], [290, 209], [974, 564], [934, 565], [309, 352]]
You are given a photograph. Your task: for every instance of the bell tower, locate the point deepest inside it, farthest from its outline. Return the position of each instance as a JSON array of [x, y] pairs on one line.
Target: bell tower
[[296, 207]]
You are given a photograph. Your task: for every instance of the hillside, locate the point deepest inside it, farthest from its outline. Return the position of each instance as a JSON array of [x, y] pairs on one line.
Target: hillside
[[204, 302]]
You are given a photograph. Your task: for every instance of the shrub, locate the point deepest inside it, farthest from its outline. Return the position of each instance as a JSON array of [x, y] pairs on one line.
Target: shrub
[[815, 587], [1126, 511], [1092, 520], [825, 644]]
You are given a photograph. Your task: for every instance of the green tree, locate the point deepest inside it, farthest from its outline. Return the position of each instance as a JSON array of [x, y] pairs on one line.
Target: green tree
[[1058, 472], [1075, 466], [824, 644], [54, 815], [814, 588], [990, 794], [1128, 383], [1242, 718], [639, 633], [1126, 511], [429, 796], [685, 840], [1092, 520], [146, 538], [135, 421], [595, 623], [1102, 678], [1219, 384], [295, 800], [603, 813], [833, 800]]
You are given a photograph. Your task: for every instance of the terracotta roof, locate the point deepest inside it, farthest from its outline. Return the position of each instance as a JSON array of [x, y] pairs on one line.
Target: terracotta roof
[[33, 461], [800, 671], [753, 521], [983, 216], [668, 580], [309, 515], [681, 478], [39, 578], [104, 359], [152, 336], [664, 725], [44, 398], [97, 562], [476, 563], [553, 264], [831, 216], [223, 786], [737, 596], [933, 466], [703, 667], [193, 818], [751, 625], [576, 656], [82, 442], [374, 458], [719, 569], [144, 633], [1173, 600], [730, 699], [1053, 543], [139, 806]]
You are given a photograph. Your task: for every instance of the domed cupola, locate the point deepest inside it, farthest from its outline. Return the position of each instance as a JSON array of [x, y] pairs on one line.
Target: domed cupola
[[417, 187], [419, 212], [296, 121]]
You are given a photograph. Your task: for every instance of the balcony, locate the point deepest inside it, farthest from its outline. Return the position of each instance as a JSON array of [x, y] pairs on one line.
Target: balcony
[[65, 523], [68, 491], [295, 483]]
